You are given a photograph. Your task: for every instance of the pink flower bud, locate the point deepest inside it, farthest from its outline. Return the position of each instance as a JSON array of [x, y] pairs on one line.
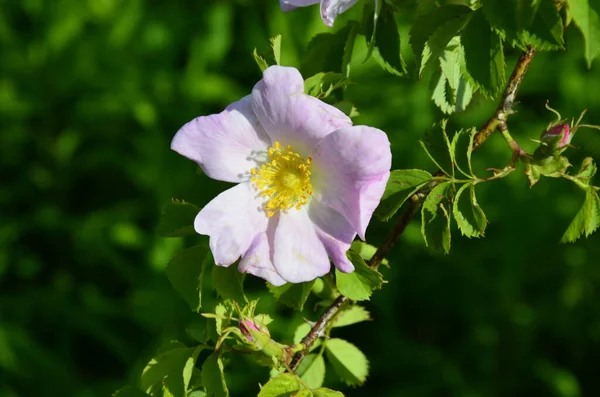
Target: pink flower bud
[[247, 326], [556, 131]]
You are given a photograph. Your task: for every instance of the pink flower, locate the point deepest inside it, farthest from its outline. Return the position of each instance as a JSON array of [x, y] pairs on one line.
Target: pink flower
[[330, 9], [307, 180]]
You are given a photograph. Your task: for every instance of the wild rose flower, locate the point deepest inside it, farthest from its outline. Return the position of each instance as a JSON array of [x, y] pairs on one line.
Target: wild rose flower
[[307, 180], [330, 9]]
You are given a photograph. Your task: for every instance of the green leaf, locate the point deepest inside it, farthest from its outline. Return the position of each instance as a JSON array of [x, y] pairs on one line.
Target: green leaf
[[260, 61], [587, 219], [170, 370], [352, 315], [436, 29], [588, 22], [213, 377], [452, 92], [321, 85], [348, 361], [332, 44], [325, 392], [366, 251], [312, 370], [177, 219], [435, 219], [292, 295], [276, 46], [502, 16], [370, 20], [228, 282], [359, 284], [400, 186], [281, 386], [587, 171], [468, 215], [484, 55], [541, 25], [129, 391], [303, 330], [186, 273], [349, 47], [387, 44]]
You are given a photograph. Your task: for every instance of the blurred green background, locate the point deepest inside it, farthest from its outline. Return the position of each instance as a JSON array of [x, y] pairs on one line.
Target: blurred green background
[[91, 93]]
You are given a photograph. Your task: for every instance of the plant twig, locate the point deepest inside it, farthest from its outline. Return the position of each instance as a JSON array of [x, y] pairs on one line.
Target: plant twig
[[498, 120]]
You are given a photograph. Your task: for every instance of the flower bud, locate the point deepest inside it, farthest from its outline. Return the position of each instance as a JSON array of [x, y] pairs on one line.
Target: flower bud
[[248, 328], [558, 136]]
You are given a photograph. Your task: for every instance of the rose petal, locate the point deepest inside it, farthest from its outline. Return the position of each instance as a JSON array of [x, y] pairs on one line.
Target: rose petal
[[288, 5], [257, 261], [351, 167], [232, 220], [298, 254], [330, 9], [290, 116], [335, 233], [225, 145]]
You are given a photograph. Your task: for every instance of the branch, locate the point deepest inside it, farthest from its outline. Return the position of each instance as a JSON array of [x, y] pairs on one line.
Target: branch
[[498, 119], [505, 107]]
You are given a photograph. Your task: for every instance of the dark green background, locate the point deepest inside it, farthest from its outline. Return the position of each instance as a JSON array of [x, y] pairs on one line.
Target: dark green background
[[91, 93]]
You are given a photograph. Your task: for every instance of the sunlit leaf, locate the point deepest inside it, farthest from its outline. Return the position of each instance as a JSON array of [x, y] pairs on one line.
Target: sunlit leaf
[[400, 186], [587, 219], [359, 284], [348, 361], [351, 315], [588, 22], [435, 219], [293, 295], [281, 386], [312, 370]]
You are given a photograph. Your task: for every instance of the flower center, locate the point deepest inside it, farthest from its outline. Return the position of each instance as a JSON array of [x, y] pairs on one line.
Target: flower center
[[284, 178]]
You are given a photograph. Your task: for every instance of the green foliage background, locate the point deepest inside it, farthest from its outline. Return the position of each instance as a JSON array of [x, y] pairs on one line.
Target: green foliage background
[[91, 93]]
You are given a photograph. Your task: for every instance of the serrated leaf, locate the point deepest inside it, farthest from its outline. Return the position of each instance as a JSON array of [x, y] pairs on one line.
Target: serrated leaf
[[541, 25], [213, 377], [348, 361], [484, 55], [366, 251], [169, 370], [359, 284], [587, 219], [352, 315], [281, 386], [502, 16], [469, 216], [129, 391], [186, 274], [443, 23], [292, 295], [588, 22], [228, 282], [332, 44], [452, 92], [325, 392], [276, 47], [461, 148], [387, 43], [177, 219], [312, 370], [260, 61], [435, 219], [400, 186]]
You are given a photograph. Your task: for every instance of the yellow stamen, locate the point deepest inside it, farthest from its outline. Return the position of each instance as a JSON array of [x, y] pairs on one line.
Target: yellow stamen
[[284, 178]]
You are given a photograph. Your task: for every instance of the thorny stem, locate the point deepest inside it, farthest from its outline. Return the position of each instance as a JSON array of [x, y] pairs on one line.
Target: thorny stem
[[497, 121]]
